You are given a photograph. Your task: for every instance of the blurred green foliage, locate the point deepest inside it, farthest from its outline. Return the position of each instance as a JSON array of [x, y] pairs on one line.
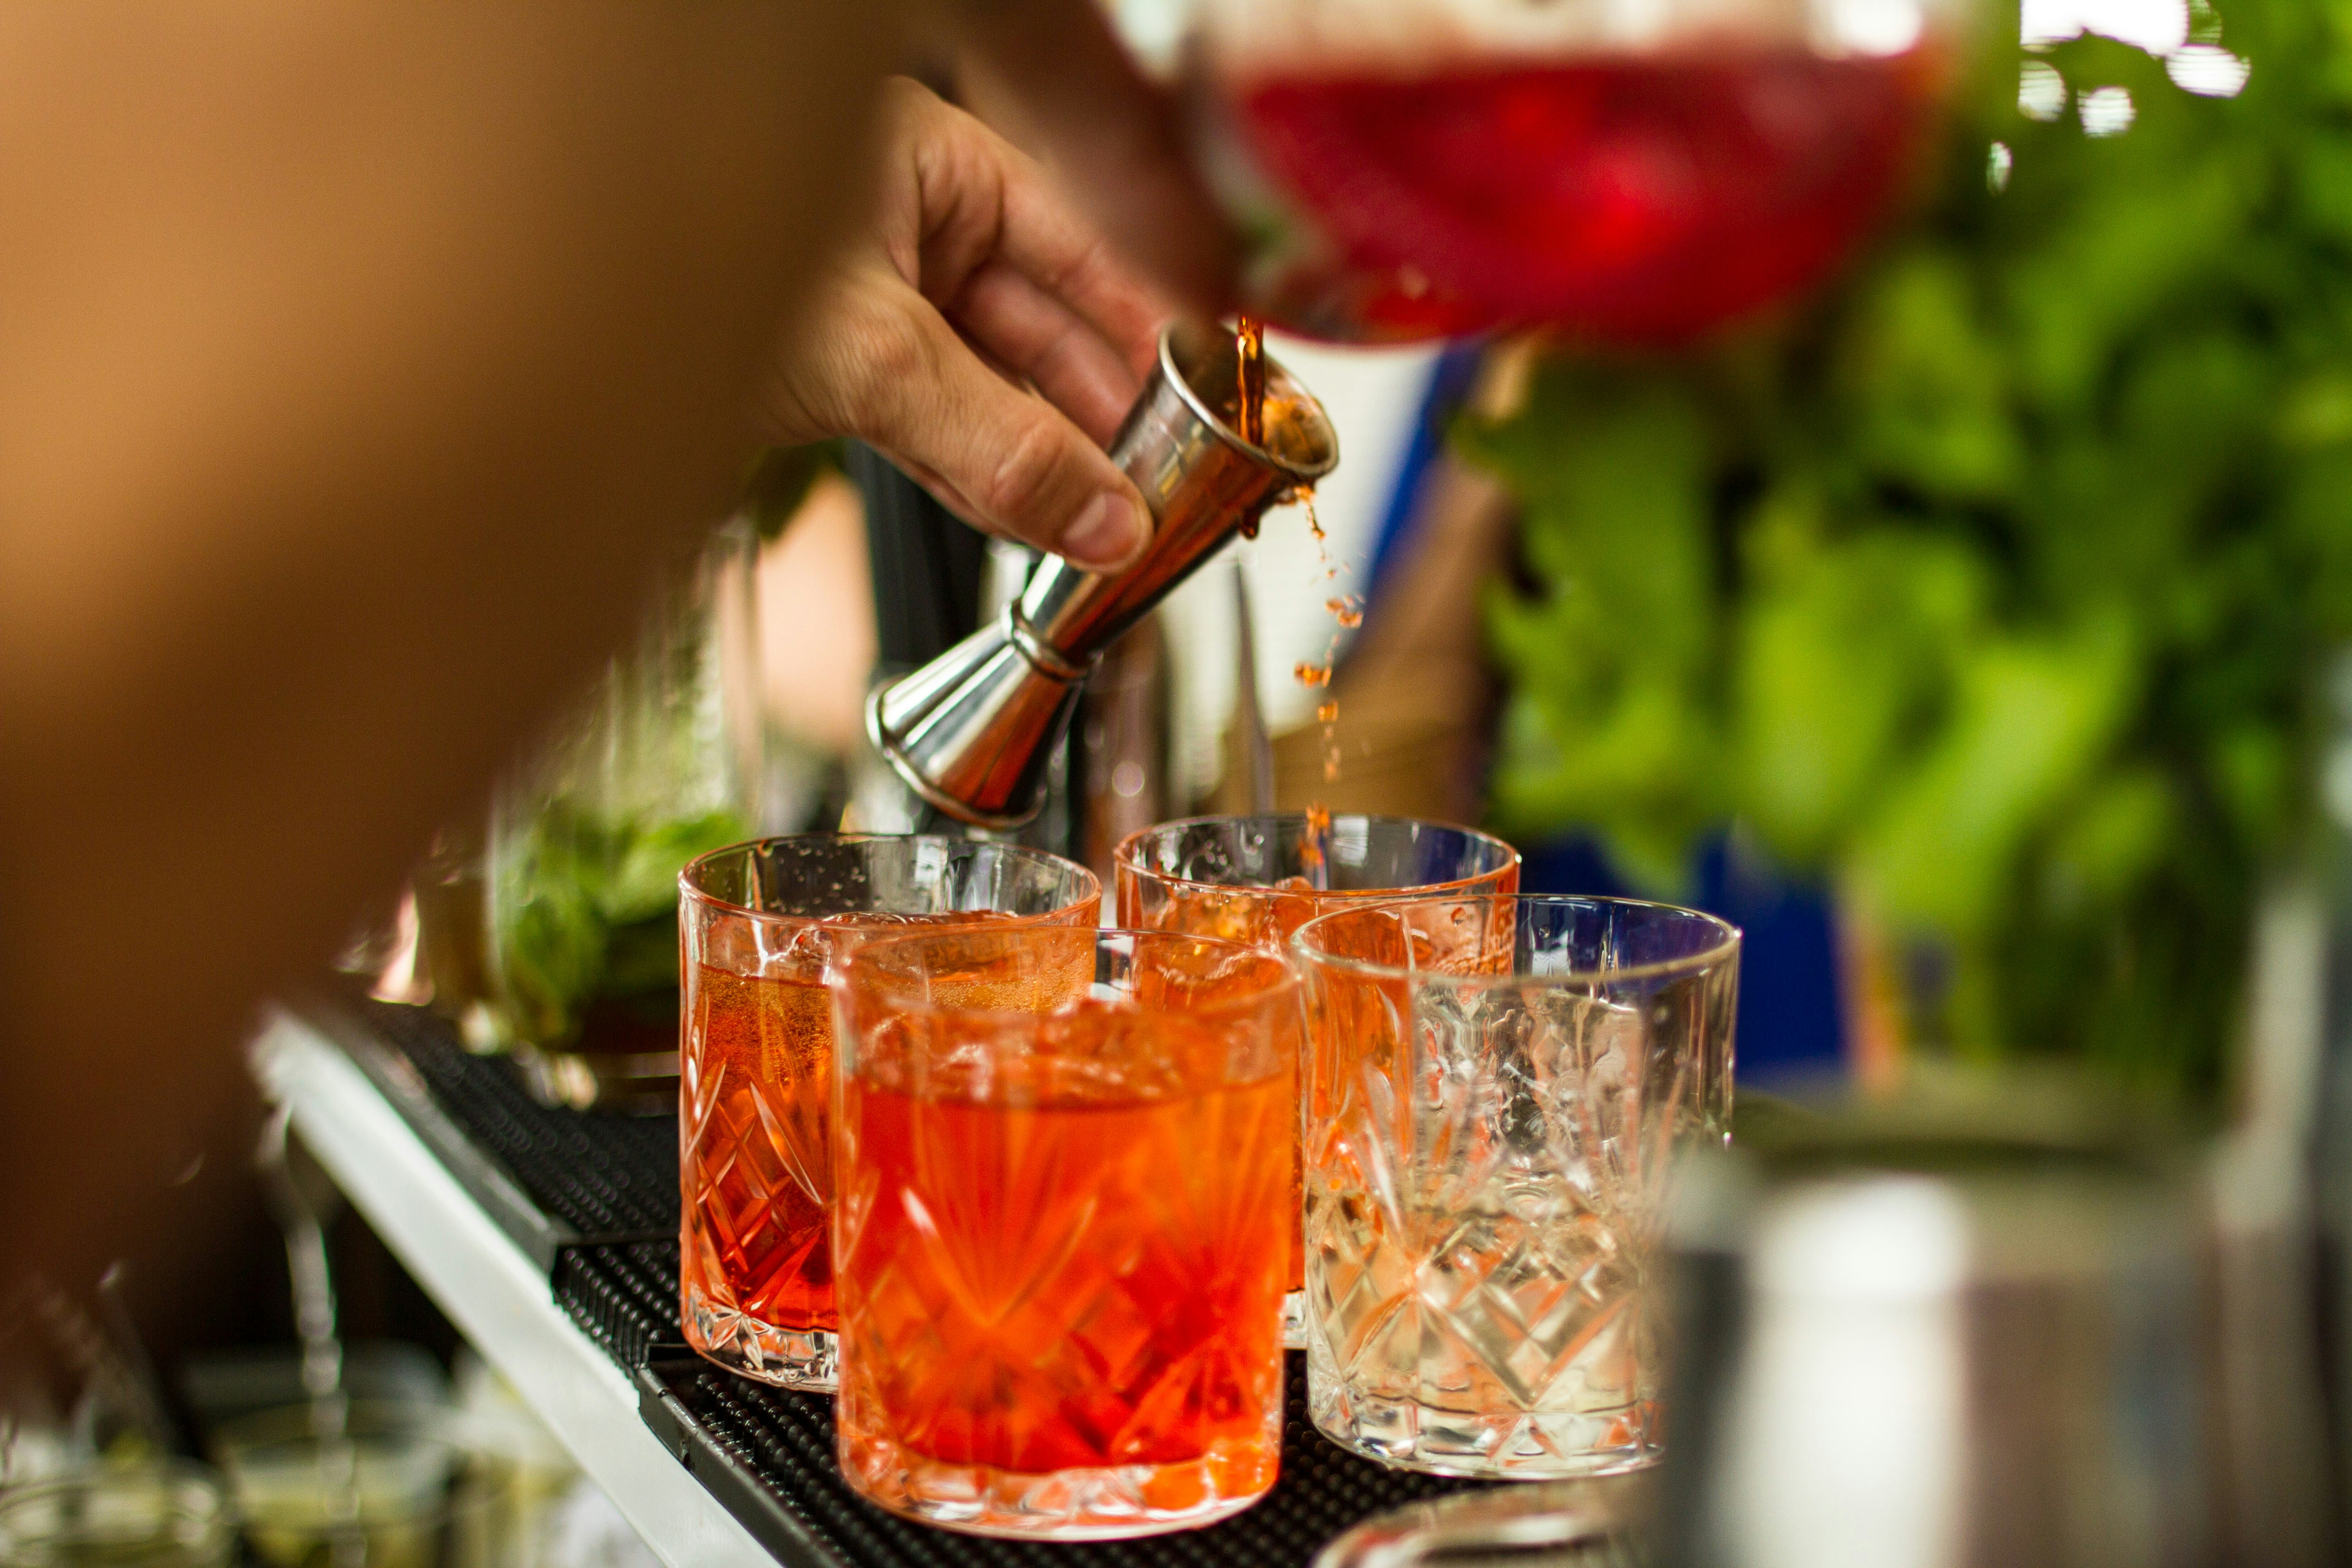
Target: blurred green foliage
[[590, 914], [1993, 586]]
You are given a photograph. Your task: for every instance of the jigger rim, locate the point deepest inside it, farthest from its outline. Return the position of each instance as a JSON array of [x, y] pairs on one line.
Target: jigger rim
[[1725, 947], [1172, 371]]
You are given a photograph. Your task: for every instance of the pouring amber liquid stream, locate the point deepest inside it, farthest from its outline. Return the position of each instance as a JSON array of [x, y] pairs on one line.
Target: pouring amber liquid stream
[[1249, 359]]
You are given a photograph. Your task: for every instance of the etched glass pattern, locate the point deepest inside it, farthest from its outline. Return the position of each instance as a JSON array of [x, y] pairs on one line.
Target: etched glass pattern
[[1062, 1236], [1487, 1149], [759, 926]]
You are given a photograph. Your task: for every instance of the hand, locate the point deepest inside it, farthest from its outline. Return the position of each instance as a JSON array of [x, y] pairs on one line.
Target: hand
[[981, 335], [1050, 75]]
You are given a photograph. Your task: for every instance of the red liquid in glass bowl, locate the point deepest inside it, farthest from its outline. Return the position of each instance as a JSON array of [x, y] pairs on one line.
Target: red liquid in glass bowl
[[1629, 198]]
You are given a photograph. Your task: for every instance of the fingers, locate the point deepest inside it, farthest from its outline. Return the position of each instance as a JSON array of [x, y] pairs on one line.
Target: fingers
[[979, 203], [1046, 240], [1039, 339], [977, 283], [1050, 73], [1005, 459]]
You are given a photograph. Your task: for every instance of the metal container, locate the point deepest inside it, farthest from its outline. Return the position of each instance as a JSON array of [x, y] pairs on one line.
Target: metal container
[[1594, 1522], [970, 733], [1937, 1346]]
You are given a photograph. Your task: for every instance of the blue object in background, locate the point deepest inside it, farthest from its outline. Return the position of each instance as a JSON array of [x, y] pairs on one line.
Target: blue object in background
[[1792, 1028], [1450, 381]]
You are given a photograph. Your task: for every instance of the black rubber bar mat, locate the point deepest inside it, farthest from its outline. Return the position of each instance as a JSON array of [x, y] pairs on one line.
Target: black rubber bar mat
[[768, 1455], [552, 1178], [625, 1296], [605, 1191]]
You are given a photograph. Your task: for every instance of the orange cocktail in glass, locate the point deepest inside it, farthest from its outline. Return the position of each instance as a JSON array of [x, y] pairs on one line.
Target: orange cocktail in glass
[[759, 924], [1256, 879], [1063, 1234]]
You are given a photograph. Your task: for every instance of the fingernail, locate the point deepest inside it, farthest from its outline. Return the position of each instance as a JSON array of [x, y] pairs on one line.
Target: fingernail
[[1106, 533]]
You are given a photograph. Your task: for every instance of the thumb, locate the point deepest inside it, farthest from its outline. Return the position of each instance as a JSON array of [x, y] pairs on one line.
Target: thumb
[[1002, 458]]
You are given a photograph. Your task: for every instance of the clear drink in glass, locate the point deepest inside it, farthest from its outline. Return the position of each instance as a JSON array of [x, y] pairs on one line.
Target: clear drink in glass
[[1496, 1090]]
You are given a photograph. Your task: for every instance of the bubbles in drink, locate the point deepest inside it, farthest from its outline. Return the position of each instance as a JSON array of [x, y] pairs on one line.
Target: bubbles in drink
[[1313, 847]]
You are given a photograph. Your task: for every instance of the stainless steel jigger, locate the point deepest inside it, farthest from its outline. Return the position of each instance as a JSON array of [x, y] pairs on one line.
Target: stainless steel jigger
[[971, 732]]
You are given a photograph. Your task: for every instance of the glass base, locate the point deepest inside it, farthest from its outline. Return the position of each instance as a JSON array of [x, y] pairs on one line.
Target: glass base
[[1114, 1502], [1509, 1445], [1293, 1320], [805, 1359]]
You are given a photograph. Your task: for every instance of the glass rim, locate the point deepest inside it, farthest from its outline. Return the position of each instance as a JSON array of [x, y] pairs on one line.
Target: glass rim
[[278, 1432], [193, 1501], [688, 890], [167, 1470], [1183, 340], [1728, 937], [1286, 974], [1121, 857]]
